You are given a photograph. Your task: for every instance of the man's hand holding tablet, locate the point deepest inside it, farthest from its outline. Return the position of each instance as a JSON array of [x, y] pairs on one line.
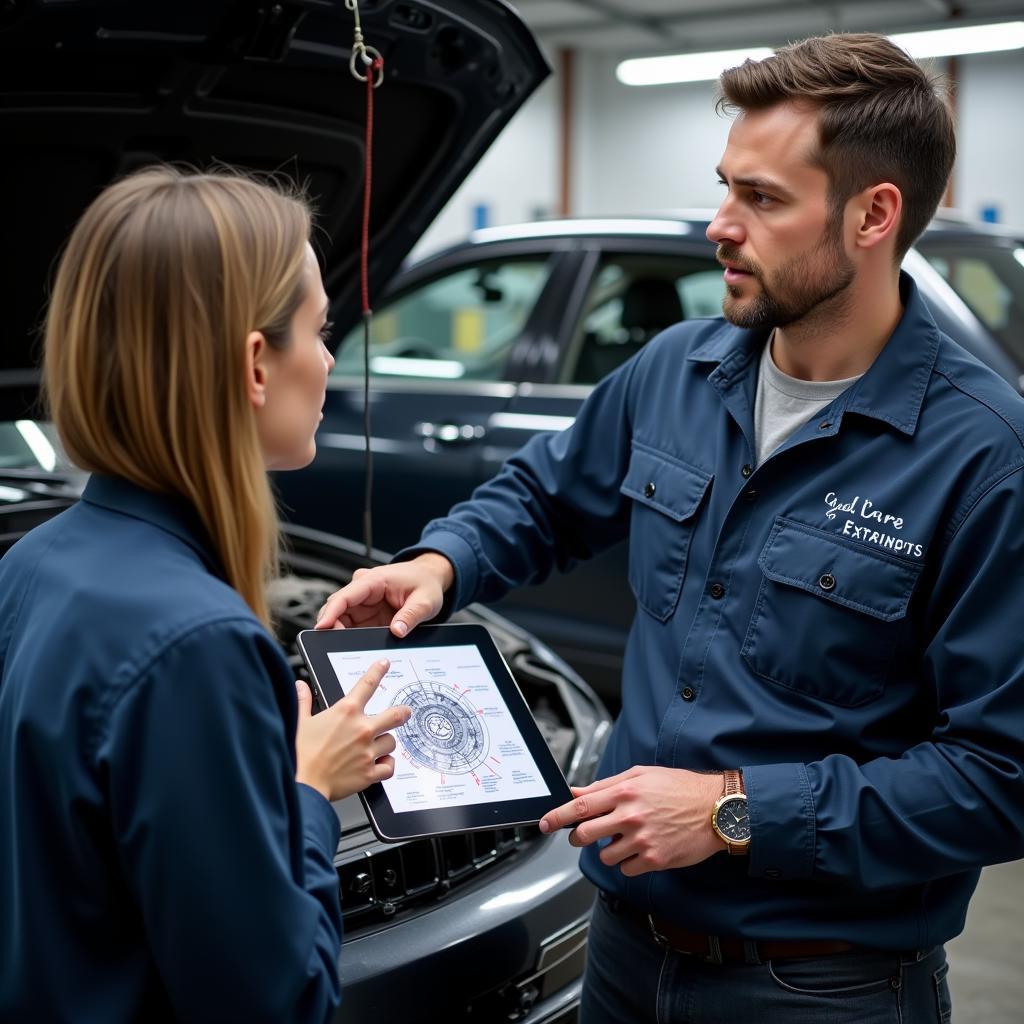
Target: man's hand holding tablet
[[400, 595], [343, 750]]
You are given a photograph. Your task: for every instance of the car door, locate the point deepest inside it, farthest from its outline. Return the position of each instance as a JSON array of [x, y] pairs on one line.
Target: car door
[[630, 291], [440, 348]]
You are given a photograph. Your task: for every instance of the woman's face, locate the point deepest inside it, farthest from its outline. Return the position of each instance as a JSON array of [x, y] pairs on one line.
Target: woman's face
[[293, 380]]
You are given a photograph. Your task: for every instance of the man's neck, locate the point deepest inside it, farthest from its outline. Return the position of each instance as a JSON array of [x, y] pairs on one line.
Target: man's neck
[[841, 339]]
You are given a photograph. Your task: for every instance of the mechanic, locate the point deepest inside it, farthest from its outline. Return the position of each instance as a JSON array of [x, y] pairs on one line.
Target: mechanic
[[824, 504], [158, 860]]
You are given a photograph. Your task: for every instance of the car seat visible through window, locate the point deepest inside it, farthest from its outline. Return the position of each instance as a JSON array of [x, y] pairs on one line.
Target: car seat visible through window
[[649, 305]]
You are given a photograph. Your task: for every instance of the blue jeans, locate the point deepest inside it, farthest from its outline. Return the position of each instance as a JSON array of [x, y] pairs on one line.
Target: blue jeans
[[630, 979]]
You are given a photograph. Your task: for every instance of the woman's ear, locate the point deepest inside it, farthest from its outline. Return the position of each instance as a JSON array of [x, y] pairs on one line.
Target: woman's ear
[[256, 369]]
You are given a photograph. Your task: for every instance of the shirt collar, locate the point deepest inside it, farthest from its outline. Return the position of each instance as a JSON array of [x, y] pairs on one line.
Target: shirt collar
[[168, 512], [893, 388]]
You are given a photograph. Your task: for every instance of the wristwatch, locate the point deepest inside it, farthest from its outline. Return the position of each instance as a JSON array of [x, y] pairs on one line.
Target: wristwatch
[[729, 818]]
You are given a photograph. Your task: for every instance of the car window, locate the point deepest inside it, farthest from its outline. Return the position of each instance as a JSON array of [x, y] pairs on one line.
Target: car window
[[459, 326], [990, 280], [633, 298], [32, 445]]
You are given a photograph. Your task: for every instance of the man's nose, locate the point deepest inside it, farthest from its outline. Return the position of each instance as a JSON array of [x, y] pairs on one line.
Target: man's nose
[[724, 227]]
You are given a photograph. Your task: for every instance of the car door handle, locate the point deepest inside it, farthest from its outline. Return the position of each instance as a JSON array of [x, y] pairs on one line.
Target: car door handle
[[449, 433]]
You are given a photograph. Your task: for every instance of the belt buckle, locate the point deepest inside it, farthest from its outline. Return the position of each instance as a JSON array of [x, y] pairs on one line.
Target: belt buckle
[[658, 937], [712, 956]]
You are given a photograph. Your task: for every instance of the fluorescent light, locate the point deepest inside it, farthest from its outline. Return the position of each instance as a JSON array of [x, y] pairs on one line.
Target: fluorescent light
[[37, 442], [705, 67], [685, 67], [395, 366], [949, 42], [1018, 255]]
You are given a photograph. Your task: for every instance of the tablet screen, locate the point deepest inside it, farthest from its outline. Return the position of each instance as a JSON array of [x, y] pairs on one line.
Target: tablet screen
[[462, 744]]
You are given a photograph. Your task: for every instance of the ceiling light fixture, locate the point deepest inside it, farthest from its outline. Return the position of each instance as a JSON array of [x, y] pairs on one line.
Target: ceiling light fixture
[[685, 67], [705, 67], [953, 42]]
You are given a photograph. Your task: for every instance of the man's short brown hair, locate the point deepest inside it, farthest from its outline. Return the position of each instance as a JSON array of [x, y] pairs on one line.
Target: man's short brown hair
[[881, 117]]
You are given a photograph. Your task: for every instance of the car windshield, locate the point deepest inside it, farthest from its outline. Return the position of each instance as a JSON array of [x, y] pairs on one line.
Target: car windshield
[[989, 277]]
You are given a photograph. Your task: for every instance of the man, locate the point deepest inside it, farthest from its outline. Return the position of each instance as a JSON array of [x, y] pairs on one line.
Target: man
[[825, 510]]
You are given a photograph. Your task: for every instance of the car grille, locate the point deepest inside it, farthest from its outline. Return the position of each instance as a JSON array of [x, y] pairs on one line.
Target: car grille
[[376, 884]]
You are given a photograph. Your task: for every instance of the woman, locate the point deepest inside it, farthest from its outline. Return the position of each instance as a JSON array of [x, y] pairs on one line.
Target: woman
[[157, 859]]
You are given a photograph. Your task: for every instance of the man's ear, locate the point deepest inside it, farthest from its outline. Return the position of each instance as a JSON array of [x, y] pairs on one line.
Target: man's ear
[[256, 349], [879, 210]]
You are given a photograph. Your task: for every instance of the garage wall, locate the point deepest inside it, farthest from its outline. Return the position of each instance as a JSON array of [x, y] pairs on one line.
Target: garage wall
[[639, 150], [991, 144], [642, 150]]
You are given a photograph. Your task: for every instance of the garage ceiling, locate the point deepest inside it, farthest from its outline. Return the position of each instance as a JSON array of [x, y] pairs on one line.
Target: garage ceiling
[[661, 26]]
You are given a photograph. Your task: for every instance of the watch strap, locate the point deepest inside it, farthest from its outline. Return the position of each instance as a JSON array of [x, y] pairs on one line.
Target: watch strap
[[733, 783]]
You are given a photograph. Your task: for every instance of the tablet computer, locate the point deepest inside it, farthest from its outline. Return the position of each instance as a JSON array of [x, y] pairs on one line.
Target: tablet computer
[[471, 756]]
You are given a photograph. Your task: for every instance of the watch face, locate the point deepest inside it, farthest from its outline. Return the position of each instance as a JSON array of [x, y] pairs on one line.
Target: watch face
[[732, 819]]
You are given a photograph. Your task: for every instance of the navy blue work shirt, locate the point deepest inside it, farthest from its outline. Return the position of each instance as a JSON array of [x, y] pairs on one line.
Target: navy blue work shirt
[[157, 859], [843, 623]]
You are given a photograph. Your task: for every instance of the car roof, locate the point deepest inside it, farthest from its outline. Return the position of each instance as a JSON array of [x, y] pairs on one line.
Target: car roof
[[693, 222]]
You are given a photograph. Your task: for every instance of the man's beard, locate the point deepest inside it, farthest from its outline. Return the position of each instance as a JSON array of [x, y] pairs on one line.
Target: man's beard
[[798, 288]]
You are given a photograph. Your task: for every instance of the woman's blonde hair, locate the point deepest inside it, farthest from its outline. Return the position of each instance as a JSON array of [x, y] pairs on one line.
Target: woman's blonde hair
[[162, 280]]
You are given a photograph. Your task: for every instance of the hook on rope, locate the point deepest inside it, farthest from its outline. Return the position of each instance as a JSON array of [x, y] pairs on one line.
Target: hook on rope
[[369, 56]]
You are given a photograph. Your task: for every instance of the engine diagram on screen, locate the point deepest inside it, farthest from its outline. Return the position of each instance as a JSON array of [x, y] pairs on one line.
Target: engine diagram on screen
[[461, 745], [445, 733]]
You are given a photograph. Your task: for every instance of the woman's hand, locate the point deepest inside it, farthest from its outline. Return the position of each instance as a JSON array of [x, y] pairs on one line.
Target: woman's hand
[[342, 750]]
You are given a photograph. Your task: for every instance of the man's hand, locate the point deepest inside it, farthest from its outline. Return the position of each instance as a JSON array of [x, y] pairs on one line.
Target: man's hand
[[342, 750], [657, 818], [400, 595]]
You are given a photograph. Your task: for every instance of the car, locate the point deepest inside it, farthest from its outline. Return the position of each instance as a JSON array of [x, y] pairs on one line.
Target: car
[[481, 927], [478, 348]]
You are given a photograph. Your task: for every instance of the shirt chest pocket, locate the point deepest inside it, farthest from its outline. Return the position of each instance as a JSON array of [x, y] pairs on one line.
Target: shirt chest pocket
[[666, 495], [830, 615]]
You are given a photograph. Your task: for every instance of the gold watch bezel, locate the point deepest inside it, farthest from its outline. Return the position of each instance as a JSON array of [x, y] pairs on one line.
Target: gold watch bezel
[[731, 845]]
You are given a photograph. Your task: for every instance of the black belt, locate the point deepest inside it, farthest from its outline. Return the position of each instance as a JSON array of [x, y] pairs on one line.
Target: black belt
[[720, 949]]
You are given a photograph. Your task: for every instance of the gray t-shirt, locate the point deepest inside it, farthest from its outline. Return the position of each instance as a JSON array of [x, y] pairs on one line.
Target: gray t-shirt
[[784, 404]]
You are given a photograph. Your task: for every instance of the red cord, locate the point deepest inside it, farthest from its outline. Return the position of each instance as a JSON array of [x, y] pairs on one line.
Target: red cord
[[375, 69]]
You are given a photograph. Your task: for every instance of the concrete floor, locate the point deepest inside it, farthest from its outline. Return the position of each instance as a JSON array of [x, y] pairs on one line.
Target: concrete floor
[[986, 962]]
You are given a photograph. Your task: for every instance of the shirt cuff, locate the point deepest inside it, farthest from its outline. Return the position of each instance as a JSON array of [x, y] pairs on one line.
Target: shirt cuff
[[463, 558], [320, 826], [782, 832]]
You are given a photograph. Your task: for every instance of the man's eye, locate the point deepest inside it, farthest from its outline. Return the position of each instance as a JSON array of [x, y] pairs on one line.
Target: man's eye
[[761, 199], [325, 331], [722, 181]]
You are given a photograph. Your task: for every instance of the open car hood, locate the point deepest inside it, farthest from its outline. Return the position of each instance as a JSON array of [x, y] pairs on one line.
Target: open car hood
[[92, 89]]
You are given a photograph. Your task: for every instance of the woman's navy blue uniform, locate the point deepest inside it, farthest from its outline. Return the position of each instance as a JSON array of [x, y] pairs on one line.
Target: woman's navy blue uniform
[[157, 858]]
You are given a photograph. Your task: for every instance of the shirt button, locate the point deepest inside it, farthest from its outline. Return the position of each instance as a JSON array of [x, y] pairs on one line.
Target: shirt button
[[688, 693], [827, 582], [824, 424], [750, 494], [649, 490], [746, 470], [717, 590]]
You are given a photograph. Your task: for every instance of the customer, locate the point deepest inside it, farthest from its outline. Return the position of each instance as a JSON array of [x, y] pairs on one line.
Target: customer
[[157, 858], [825, 507]]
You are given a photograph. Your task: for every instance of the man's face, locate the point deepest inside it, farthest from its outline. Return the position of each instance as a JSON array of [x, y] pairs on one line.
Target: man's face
[[782, 249]]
